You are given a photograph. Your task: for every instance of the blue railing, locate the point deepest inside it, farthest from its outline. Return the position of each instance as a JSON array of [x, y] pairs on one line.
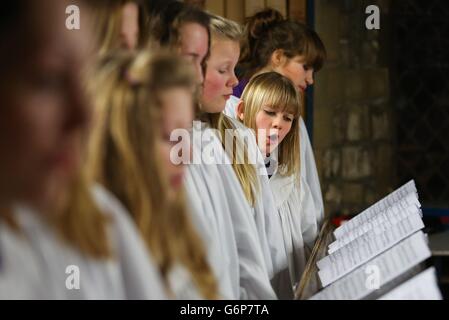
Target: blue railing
[[310, 11], [435, 212]]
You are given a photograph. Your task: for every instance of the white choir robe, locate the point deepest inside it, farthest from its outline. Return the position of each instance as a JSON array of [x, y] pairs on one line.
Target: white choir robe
[[295, 203], [221, 252], [309, 172], [298, 218], [182, 285], [34, 262], [224, 220], [267, 221]]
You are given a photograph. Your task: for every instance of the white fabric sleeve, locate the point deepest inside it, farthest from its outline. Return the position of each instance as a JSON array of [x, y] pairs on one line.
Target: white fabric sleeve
[[140, 276], [309, 171]]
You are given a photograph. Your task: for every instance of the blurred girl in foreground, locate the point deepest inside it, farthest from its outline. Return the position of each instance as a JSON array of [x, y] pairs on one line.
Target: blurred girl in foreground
[[60, 237]]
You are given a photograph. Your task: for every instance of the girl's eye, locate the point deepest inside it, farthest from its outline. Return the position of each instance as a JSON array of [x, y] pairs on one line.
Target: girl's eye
[[270, 113], [308, 68], [221, 71], [288, 119]]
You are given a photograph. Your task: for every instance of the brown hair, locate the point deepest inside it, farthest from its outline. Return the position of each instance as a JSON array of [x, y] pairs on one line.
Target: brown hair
[[268, 31], [165, 26]]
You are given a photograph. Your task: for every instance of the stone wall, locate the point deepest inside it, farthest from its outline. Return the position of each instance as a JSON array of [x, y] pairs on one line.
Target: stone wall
[[352, 113]]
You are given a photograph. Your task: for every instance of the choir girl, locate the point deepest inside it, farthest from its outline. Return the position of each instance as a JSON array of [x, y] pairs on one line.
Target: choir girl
[[219, 82], [140, 99], [270, 105], [61, 237], [290, 48]]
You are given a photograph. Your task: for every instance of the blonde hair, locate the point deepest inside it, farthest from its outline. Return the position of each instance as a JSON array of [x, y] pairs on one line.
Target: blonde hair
[[123, 157], [81, 223], [76, 219], [224, 29], [107, 18], [278, 92]]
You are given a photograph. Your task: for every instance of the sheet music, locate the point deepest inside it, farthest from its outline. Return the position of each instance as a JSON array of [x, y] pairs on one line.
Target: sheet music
[[365, 248], [387, 218], [382, 205], [422, 287], [390, 265]]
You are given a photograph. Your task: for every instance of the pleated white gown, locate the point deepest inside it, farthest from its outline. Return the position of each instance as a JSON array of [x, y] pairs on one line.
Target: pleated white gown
[[33, 263], [225, 222], [299, 206], [267, 221], [309, 172], [298, 219]]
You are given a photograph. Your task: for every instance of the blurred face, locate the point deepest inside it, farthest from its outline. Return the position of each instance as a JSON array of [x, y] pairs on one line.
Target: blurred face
[[44, 111], [220, 76], [276, 124], [194, 46], [177, 113], [297, 71], [129, 32]]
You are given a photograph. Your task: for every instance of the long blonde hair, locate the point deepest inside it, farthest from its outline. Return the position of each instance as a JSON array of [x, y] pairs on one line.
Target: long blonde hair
[[76, 219], [278, 92], [81, 223], [123, 157], [107, 18], [224, 29]]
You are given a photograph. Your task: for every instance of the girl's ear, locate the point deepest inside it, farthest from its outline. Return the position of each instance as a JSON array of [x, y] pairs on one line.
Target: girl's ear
[[241, 110], [278, 58]]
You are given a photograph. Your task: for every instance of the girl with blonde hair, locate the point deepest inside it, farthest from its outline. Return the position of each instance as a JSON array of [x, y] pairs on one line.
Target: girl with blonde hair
[[250, 173], [60, 237], [140, 100], [186, 31], [275, 44], [271, 106], [232, 213], [121, 24]]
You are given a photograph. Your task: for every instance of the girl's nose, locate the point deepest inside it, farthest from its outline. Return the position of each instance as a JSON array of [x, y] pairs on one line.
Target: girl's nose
[[234, 81], [309, 78], [277, 122], [199, 72]]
